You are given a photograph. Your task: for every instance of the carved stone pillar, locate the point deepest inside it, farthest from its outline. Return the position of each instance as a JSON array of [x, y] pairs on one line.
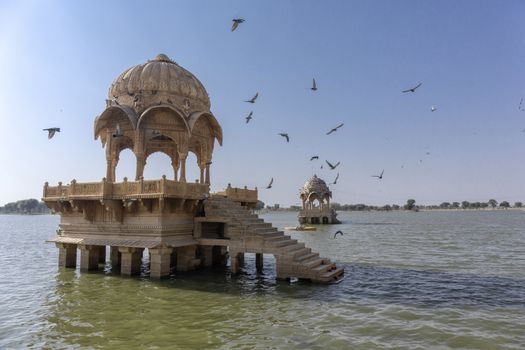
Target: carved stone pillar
[[131, 260], [183, 167], [202, 168], [67, 255], [141, 164], [160, 259], [207, 174], [175, 170], [89, 257]]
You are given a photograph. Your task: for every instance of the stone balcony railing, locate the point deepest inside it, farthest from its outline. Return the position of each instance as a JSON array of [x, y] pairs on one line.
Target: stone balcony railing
[[127, 189], [242, 195]]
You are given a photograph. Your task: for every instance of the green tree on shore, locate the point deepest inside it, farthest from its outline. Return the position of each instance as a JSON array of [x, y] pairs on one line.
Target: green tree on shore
[[518, 204], [504, 204], [493, 203], [465, 204], [411, 203]]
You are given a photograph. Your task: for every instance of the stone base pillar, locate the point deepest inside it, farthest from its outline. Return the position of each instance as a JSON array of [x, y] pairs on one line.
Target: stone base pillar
[[207, 253], [160, 259], [131, 260], [67, 255], [186, 260], [115, 257], [240, 258], [89, 257], [259, 262], [102, 255], [234, 261]]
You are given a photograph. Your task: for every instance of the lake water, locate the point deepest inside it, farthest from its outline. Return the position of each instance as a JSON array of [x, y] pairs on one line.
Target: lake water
[[427, 280]]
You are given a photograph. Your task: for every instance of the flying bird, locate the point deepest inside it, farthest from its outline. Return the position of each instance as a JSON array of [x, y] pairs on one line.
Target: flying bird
[[236, 22], [338, 233], [314, 85], [249, 117], [332, 167], [51, 132], [118, 132], [413, 89], [270, 184], [335, 129], [335, 181], [285, 136], [519, 107], [379, 176], [433, 109], [314, 157], [252, 100]]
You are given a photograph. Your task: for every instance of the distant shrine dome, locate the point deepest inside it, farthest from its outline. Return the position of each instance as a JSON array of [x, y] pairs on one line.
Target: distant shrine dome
[[315, 197], [156, 81], [315, 188]]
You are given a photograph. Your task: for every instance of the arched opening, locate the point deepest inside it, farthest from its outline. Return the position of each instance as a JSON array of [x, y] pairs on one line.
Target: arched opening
[[126, 165], [193, 171], [158, 164]]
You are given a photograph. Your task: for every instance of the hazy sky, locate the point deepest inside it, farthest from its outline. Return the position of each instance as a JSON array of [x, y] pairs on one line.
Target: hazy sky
[[58, 59]]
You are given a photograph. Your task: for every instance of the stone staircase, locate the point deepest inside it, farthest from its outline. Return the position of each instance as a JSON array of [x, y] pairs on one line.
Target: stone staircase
[[250, 234]]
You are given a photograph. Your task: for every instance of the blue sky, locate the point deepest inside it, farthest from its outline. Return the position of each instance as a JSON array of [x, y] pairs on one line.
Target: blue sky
[[58, 59]]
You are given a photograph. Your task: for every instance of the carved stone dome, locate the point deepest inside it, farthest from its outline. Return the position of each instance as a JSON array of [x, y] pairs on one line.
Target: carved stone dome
[[159, 81], [316, 186]]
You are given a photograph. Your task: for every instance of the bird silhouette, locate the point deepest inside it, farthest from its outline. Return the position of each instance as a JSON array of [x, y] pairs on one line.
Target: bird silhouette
[[236, 22], [332, 167], [433, 109], [252, 100], [285, 136], [314, 85], [335, 181], [270, 184], [118, 132], [249, 117], [338, 233], [51, 132], [379, 176], [335, 129], [412, 89], [314, 157], [519, 107]]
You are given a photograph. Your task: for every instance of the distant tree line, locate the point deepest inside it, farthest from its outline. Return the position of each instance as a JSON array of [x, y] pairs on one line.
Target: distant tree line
[[25, 206], [411, 205]]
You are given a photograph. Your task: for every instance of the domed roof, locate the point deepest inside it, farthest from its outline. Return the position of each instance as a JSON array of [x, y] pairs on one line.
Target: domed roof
[[158, 81], [315, 185]]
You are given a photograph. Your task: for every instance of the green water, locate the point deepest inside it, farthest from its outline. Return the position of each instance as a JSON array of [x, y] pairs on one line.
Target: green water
[[428, 280]]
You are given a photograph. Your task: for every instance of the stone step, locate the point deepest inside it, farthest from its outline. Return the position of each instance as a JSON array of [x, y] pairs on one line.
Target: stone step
[[264, 230], [295, 247], [283, 243], [334, 274], [312, 262], [296, 253], [323, 268], [306, 257], [273, 236]]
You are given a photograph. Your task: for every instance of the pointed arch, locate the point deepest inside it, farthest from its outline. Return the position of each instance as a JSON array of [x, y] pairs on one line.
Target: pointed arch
[[211, 122], [125, 116], [163, 118]]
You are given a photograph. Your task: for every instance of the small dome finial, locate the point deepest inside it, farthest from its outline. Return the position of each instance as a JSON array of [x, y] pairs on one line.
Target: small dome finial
[[163, 58]]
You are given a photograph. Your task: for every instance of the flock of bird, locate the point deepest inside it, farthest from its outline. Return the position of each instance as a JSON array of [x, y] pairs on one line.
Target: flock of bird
[[286, 136]]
